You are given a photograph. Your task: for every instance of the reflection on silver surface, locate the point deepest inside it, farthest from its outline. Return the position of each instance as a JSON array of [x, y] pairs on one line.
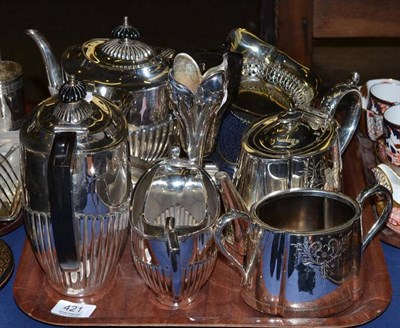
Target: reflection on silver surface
[[150, 142]]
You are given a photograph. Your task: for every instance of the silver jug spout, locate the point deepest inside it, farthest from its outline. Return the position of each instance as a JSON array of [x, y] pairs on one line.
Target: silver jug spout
[[344, 97], [235, 232], [52, 66]]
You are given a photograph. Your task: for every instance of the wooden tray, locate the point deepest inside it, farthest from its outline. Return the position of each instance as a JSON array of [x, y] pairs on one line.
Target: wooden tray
[[130, 303], [6, 227]]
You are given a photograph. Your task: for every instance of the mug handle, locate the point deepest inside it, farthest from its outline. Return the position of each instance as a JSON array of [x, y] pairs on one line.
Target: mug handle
[[222, 222], [376, 189]]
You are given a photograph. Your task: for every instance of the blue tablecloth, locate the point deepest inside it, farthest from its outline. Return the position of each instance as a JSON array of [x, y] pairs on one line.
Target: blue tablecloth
[[12, 316]]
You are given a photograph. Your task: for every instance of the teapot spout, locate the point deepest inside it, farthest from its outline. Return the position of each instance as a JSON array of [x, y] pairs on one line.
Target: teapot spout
[[53, 69], [343, 100]]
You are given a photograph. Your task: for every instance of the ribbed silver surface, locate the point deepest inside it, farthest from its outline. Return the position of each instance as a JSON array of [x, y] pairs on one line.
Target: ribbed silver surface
[[101, 241], [150, 142]]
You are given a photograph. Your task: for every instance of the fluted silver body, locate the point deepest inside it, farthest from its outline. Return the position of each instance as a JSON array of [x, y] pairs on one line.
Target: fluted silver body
[[101, 241]]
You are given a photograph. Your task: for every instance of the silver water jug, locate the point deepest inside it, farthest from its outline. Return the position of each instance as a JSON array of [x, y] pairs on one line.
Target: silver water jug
[[76, 183]]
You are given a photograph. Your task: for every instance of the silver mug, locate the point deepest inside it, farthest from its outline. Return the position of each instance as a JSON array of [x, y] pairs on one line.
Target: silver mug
[[303, 251], [11, 96]]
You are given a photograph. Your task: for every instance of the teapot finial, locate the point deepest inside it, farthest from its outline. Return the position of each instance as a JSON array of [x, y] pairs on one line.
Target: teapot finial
[[72, 91], [126, 31], [354, 79]]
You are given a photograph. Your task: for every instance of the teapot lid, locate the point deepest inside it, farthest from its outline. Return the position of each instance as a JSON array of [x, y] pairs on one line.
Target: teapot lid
[[99, 123], [121, 61], [291, 133], [123, 50]]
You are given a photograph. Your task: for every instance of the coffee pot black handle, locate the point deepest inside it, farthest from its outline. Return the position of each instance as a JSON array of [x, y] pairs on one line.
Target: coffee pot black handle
[[60, 197]]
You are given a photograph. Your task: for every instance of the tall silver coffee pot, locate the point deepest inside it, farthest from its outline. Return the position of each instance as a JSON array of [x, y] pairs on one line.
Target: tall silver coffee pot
[[76, 183]]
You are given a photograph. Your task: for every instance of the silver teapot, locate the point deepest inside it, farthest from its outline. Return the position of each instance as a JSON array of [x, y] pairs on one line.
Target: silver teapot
[[300, 147], [126, 71], [76, 185]]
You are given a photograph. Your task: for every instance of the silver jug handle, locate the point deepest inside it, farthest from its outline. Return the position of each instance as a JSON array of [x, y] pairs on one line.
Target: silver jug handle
[[382, 191], [224, 220], [350, 118], [61, 200]]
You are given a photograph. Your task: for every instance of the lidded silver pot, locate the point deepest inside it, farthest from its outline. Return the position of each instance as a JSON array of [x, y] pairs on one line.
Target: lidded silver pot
[[300, 147], [125, 70], [76, 183]]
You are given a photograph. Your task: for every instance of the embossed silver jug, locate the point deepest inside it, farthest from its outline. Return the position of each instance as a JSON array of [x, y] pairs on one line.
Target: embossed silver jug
[[75, 173]]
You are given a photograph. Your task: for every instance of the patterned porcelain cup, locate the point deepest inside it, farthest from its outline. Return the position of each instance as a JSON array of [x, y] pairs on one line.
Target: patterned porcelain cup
[[303, 252], [391, 119], [382, 95]]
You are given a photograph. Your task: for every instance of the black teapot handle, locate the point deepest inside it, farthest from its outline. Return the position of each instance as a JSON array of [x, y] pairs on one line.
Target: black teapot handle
[[60, 197]]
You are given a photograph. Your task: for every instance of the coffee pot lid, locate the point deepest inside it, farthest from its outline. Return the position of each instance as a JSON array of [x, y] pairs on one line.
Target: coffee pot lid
[[291, 133], [99, 123]]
